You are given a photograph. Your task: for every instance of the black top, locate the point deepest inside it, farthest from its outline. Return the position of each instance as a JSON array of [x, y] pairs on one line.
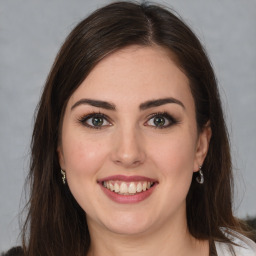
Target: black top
[[15, 251]]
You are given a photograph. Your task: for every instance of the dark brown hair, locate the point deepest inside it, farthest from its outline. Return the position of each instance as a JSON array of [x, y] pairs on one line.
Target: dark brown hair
[[56, 225]]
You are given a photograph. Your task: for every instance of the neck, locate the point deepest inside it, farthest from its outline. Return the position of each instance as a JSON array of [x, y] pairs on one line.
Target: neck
[[165, 241]]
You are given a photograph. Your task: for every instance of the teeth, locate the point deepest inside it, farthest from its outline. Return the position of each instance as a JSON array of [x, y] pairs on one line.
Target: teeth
[[132, 188], [144, 186], [127, 188], [139, 187], [116, 187], [123, 188], [111, 186]]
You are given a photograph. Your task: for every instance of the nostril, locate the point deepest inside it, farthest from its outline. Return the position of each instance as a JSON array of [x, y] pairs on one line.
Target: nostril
[[127, 162], [128, 153]]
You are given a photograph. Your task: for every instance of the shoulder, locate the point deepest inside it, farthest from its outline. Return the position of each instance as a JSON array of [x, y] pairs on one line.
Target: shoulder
[[15, 251], [244, 246]]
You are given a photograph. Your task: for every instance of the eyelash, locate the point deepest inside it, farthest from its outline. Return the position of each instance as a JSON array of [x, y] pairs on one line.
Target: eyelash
[[164, 115], [83, 120]]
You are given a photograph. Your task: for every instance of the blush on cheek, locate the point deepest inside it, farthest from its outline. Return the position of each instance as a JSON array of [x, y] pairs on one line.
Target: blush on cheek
[[82, 162]]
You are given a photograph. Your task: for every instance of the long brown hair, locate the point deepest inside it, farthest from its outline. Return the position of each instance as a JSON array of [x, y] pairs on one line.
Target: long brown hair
[[56, 224]]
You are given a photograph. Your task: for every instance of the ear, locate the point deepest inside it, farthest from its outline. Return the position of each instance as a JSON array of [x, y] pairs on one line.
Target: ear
[[202, 146], [61, 157]]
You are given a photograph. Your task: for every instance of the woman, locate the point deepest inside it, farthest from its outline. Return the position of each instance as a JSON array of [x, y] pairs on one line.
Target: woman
[[130, 153]]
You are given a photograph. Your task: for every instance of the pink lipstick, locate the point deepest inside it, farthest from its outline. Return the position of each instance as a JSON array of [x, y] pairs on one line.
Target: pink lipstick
[[127, 189]]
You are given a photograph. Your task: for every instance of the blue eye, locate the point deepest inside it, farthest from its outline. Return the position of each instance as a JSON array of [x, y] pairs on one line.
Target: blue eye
[[95, 121], [161, 120]]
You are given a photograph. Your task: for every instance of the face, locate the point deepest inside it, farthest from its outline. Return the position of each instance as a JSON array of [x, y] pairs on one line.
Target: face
[[130, 143]]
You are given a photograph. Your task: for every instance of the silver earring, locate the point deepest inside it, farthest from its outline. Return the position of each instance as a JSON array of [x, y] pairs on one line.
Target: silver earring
[[63, 173], [200, 178]]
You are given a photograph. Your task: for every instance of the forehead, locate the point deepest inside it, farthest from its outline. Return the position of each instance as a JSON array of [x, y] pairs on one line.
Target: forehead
[[135, 73]]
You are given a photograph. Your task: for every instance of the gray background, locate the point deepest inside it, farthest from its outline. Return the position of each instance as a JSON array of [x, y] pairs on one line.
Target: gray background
[[31, 33]]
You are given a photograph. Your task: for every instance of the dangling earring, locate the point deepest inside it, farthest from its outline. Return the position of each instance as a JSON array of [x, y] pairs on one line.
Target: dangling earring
[[200, 178], [63, 176]]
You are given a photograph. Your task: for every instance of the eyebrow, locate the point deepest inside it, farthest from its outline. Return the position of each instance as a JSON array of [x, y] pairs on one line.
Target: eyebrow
[[143, 106], [160, 102], [95, 103]]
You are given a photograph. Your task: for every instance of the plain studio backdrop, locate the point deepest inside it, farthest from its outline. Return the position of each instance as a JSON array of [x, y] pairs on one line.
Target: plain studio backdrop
[[31, 33]]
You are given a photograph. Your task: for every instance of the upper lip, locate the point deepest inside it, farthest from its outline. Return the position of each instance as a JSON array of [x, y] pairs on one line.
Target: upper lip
[[127, 178]]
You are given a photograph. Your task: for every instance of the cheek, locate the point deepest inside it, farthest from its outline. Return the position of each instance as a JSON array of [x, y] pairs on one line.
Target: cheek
[[82, 156], [175, 153], [83, 160], [174, 159]]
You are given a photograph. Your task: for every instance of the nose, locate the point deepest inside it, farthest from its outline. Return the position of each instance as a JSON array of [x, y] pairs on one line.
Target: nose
[[128, 149]]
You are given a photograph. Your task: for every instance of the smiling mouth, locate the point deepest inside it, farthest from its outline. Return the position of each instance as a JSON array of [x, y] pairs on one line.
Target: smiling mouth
[[127, 188]]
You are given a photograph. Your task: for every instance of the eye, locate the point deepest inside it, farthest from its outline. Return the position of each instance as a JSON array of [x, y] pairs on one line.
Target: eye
[[161, 120], [95, 120]]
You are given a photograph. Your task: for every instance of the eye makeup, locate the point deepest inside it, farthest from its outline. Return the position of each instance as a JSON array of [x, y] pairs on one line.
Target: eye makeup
[[161, 120], [95, 120], [98, 120]]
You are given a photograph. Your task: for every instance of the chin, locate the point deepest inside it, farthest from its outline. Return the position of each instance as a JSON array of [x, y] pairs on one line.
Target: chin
[[128, 224]]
